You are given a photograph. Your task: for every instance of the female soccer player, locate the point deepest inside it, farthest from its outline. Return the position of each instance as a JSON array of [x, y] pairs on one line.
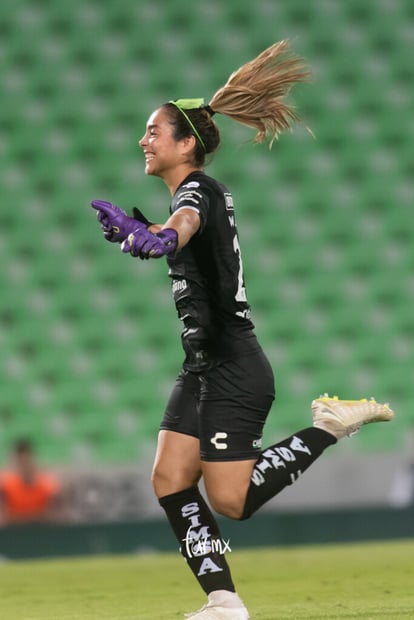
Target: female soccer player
[[213, 422]]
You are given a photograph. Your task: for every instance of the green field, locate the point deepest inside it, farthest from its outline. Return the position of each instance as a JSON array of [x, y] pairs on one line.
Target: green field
[[352, 581]]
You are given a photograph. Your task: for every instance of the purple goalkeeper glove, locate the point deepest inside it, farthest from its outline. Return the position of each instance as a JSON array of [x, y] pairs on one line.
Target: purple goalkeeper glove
[[115, 223], [145, 244]]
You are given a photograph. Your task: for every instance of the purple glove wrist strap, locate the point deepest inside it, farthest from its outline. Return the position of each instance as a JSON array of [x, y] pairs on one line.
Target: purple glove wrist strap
[[169, 237]]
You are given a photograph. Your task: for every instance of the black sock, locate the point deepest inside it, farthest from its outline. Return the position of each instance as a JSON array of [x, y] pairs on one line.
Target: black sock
[[200, 540], [280, 465]]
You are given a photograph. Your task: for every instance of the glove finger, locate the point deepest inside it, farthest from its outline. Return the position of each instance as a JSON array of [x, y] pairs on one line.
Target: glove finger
[[108, 209], [155, 253], [136, 249], [102, 218], [101, 205], [146, 248], [126, 246]]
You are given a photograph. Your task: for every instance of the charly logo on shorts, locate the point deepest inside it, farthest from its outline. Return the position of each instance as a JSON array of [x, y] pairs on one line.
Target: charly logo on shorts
[[220, 445]]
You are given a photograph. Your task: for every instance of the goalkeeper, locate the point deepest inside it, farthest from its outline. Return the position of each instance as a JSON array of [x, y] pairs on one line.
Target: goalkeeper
[[213, 421]]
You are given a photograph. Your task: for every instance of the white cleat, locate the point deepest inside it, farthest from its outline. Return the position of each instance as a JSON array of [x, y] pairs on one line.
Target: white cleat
[[216, 612], [345, 417], [222, 605]]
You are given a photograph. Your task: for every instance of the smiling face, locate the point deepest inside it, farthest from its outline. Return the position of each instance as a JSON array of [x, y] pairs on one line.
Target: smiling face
[[163, 154]]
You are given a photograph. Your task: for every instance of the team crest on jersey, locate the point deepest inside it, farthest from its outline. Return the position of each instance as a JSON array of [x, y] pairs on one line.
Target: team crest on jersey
[[229, 202]]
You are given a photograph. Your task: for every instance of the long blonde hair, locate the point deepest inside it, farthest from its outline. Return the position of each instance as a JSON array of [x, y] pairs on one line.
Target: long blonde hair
[[255, 94]]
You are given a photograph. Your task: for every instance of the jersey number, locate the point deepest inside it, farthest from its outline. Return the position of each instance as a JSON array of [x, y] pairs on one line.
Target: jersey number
[[241, 291]]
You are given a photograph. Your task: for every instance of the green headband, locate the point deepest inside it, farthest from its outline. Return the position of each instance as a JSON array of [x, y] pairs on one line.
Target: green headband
[[190, 104]]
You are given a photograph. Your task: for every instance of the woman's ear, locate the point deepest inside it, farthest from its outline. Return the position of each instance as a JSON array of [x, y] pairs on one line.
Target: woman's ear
[[189, 143], [188, 147]]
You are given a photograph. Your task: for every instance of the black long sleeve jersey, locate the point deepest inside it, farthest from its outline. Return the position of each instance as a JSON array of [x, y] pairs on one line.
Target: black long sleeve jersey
[[207, 278]]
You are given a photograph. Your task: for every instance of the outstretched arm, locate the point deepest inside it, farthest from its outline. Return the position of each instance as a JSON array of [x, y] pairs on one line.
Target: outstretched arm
[[186, 222]]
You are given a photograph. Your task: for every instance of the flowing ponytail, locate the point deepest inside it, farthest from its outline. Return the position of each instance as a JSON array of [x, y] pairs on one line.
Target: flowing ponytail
[[255, 94]]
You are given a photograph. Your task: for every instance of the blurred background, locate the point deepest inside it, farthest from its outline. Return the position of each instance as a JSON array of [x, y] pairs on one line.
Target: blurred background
[[89, 339]]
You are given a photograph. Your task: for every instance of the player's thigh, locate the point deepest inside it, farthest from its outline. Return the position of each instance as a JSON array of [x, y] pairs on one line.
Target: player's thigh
[[177, 463]]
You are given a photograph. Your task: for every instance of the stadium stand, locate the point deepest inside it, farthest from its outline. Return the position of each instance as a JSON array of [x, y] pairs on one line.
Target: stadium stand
[[89, 338]]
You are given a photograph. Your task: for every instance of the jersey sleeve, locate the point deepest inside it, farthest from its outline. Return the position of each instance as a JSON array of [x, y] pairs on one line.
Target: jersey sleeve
[[193, 196]]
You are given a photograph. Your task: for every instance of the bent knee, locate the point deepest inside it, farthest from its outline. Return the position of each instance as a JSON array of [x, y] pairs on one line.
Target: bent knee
[[227, 505], [166, 481], [163, 482]]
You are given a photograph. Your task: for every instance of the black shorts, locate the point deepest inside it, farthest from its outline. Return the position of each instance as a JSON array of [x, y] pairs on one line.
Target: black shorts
[[225, 407]]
